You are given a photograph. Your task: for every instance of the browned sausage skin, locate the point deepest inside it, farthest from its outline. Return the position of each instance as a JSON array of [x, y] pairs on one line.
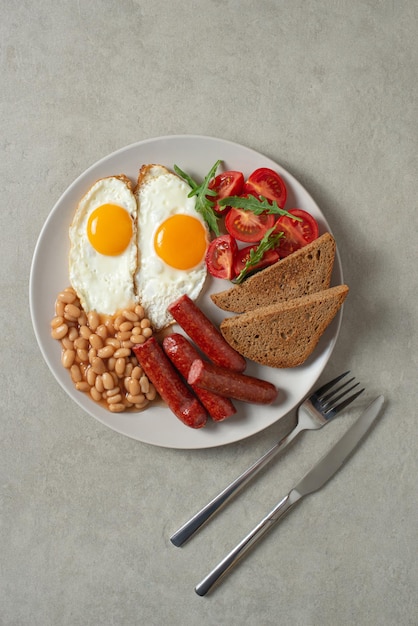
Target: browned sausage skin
[[182, 354], [231, 384], [161, 372], [205, 334]]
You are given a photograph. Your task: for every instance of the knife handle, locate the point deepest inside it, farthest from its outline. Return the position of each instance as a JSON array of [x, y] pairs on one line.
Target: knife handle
[[245, 544], [194, 523]]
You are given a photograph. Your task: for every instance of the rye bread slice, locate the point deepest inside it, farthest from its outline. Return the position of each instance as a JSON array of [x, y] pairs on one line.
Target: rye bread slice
[[284, 334], [305, 271]]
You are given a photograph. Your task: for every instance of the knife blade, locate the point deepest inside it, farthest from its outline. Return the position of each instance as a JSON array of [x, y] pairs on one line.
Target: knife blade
[[316, 478]]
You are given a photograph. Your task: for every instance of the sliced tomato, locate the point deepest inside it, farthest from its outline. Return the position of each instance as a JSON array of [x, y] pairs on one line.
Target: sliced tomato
[[269, 257], [220, 257], [230, 183], [266, 182], [247, 226], [296, 233]]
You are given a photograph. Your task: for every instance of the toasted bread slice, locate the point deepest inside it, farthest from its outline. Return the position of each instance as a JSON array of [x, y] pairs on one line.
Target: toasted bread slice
[[286, 333], [305, 271]]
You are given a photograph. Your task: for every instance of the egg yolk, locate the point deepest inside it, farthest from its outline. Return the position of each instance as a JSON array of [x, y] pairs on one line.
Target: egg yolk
[[109, 229], [181, 242]]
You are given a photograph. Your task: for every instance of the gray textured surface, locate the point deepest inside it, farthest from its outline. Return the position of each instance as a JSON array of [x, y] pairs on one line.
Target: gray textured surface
[[329, 90]]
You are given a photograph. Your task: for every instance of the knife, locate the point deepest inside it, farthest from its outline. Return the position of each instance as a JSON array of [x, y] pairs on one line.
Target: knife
[[312, 481]]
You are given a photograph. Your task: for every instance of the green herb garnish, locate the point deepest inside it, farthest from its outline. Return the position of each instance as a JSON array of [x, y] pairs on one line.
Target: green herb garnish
[[204, 205], [269, 241], [256, 205]]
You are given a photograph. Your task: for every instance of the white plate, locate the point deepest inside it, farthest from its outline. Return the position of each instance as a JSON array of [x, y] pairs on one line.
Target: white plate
[[49, 275]]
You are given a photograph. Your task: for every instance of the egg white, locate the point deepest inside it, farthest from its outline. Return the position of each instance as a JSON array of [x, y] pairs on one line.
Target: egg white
[[103, 283], [160, 194]]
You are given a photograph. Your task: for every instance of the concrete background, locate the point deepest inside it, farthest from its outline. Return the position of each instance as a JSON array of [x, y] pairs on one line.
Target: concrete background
[[329, 91]]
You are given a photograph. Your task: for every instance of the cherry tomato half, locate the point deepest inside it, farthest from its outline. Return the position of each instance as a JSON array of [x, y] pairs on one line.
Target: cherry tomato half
[[220, 257], [296, 233], [246, 226], [229, 183], [269, 257], [266, 182]]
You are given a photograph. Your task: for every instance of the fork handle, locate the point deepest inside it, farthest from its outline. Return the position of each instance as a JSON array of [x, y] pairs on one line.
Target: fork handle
[[194, 523], [245, 544]]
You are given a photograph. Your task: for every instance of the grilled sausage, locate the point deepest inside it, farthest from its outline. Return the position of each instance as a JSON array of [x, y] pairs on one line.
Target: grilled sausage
[[161, 372]]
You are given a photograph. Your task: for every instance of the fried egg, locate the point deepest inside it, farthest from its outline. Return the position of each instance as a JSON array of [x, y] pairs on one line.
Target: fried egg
[[103, 253], [172, 240]]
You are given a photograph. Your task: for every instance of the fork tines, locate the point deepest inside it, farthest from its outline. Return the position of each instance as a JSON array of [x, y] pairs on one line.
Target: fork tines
[[327, 400]]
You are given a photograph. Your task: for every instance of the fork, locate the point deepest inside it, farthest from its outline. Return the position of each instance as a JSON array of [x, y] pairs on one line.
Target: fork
[[315, 412]]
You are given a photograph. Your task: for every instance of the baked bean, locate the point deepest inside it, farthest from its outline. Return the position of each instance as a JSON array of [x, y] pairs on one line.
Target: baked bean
[[85, 331], [124, 335], [138, 399], [66, 296], [109, 325], [98, 365], [81, 343], [122, 352], [134, 386], [96, 395], [67, 344], [67, 358], [72, 310], [117, 408], [59, 308], [132, 316], [82, 355], [91, 376], [75, 373], [113, 392], [92, 355], [95, 341], [152, 393], [112, 341], [126, 344], [126, 326], [59, 332], [82, 386], [128, 369], [138, 339], [120, 365], [108, 382], [102, 331], [57, 321], [137, 372], [137, 330], [106, 352], [139, 310], [82, 320], [116, 399], [119, 319], [99, 383], [93, 320], [144, 383], [72, 333], [111, 362], [145, 323], [147, 332]]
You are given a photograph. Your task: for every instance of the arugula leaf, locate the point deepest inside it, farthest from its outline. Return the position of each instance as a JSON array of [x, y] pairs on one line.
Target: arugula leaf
[[256, 205], [269, 241], [204, 205]]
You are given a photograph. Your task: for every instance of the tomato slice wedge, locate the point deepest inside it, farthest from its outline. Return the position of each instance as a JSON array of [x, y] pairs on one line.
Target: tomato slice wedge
[[220, 257], [296, 233], [266, 182], [247, 226], [230, 183], [269, 257]]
